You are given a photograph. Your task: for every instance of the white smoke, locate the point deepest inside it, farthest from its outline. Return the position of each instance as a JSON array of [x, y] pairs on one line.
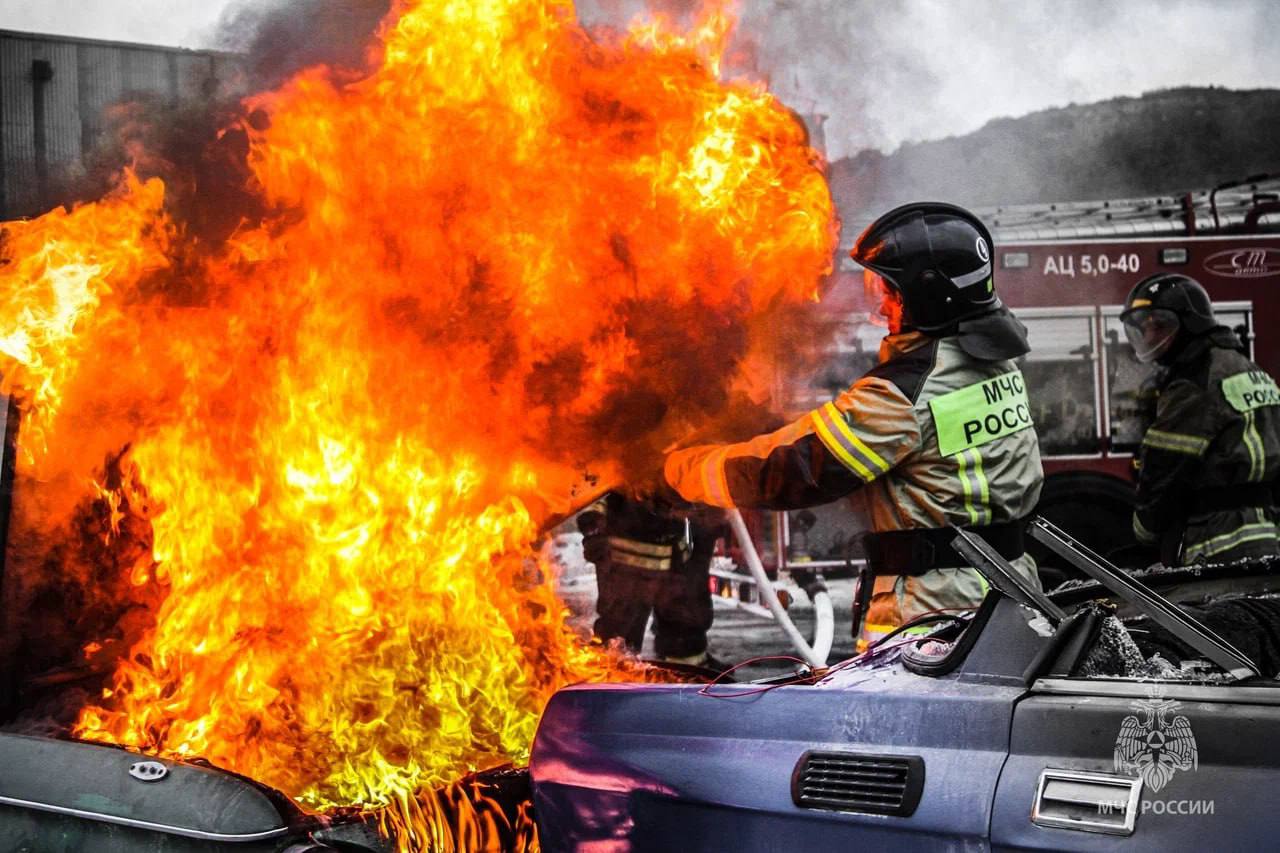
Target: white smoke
[[884, 71], [913, 70], [172, 23]]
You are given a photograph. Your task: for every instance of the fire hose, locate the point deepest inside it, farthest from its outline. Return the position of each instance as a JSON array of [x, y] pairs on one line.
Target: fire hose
[[824, 628]]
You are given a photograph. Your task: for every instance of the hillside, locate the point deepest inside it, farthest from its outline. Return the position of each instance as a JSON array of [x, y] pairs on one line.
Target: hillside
[[1161, 142]]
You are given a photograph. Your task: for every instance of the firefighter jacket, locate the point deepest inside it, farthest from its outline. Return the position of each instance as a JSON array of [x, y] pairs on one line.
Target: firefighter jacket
[[932, 436], [1209, 460]]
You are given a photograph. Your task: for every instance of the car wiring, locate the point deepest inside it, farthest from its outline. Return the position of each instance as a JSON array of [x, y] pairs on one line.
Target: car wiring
[[809, 675]]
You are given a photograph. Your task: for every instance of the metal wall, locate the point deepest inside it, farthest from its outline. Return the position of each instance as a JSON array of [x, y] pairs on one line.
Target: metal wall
[[55, 92]]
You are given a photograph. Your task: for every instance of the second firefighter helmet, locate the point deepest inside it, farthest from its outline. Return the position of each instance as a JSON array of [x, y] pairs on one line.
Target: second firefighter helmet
[[1163, 310], [937, 257]]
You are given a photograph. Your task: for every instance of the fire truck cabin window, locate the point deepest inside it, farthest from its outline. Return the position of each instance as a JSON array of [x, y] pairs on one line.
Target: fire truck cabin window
[[1062, 379]]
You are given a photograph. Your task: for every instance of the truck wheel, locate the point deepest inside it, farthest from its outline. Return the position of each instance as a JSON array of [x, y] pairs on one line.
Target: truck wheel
[[1095, 508]]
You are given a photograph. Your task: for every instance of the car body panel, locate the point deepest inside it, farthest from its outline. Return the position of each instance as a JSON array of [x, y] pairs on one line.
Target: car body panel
[[1224, 801], [67, 796], [645, 767]]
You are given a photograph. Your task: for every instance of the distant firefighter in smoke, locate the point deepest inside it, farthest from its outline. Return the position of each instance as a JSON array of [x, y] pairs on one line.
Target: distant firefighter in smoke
[[649, 560], [1209, 461], [938, 433]]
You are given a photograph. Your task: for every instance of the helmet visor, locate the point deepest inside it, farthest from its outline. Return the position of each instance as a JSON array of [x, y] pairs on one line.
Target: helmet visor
[[1151, 331]]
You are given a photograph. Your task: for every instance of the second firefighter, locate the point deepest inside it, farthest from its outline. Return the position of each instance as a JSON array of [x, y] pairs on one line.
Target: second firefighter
[[1210, 459], [651, 561]]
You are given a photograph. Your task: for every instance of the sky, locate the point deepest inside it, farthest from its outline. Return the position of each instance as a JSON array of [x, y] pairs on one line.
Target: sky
[[884, 72]]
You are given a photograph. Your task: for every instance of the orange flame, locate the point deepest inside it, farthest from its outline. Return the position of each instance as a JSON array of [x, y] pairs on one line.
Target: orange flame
[[513, 250]]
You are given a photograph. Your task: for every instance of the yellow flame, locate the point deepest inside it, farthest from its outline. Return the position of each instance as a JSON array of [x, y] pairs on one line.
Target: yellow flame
[[346, 422]]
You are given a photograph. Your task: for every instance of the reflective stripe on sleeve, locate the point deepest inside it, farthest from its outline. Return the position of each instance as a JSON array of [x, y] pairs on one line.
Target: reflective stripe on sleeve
[[1140, 530], [834, 433], [638, 547], [640, 555], [1176, 442], [984, 492], [1227, 541], [1253, 443], [973, 484], [714, 484], [621, 558], [967, 488]]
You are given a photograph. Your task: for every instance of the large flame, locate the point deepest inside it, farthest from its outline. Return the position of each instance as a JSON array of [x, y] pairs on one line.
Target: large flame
[[513, 250]]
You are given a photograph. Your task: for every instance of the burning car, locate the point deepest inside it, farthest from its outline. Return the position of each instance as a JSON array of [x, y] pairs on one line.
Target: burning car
[[298, 392], [1061, 722], [60, 795]]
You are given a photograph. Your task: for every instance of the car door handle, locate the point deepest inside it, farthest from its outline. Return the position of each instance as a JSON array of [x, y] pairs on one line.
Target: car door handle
[[1088, 802]]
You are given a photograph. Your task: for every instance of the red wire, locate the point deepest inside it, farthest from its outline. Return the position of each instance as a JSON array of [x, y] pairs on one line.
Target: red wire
[[706, 688], [806, 679]]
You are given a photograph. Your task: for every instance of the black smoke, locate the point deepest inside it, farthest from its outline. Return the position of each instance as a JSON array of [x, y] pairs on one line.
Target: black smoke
[[282, 37]]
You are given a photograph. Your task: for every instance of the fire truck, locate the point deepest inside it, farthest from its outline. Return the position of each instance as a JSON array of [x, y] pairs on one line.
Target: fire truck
[[1065, 270]]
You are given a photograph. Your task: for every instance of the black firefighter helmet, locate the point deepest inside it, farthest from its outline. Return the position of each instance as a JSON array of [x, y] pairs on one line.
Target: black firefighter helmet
[[1163, 311], [937, 257]]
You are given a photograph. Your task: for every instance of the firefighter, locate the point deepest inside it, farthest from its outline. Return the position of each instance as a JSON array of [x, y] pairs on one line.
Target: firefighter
[[649, 559], [938, 433], [1210, 457]]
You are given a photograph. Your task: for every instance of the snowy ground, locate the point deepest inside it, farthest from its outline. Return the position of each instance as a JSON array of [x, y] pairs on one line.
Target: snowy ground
[[736, 635]]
